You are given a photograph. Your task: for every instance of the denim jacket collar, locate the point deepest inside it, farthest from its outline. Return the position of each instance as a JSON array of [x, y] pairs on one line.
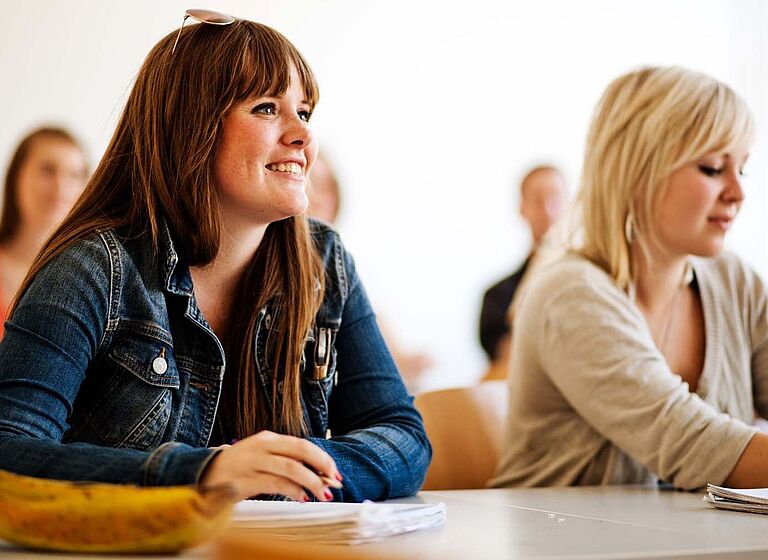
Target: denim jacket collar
[[177, 279]]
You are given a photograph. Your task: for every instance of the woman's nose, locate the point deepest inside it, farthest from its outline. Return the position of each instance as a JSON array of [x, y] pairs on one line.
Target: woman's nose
[[734, 190], [298, 132]]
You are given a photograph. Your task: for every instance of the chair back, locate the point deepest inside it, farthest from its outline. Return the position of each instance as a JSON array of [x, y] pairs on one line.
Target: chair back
[[465, 426]]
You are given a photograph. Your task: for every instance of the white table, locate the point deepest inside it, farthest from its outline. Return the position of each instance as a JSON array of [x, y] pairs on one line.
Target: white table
[[619, 522]]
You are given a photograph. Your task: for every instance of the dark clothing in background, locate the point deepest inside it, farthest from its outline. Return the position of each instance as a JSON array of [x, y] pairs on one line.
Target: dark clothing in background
[[493, 316]]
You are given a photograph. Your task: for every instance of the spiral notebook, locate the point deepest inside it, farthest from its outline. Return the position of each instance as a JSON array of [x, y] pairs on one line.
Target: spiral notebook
[[750, 500], [334, 522]]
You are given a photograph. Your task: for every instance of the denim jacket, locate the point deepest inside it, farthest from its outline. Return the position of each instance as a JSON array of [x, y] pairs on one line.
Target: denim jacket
[[109, 372]]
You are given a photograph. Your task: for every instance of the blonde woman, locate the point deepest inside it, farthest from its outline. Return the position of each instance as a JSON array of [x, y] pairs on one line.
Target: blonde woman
[[642, 354]]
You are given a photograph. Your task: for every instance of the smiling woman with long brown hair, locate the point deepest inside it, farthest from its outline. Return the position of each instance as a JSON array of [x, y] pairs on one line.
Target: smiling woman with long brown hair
[[187, 323]]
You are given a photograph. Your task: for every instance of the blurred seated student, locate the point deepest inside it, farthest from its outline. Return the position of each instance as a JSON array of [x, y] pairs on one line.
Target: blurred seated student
[[542, 199], [45, 176], [642, 353], [186, 324], [323, 191], [324, 196]]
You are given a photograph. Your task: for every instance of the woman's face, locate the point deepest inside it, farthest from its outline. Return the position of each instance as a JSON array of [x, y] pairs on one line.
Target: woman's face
[[264, 157], [542, 201], [700, 204], [50, 181]]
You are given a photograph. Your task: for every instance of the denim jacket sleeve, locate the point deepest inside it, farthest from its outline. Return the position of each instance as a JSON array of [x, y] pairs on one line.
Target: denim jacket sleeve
[[53, 336], [379, 443]]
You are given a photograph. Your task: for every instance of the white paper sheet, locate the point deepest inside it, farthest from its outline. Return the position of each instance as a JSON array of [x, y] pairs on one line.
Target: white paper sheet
[[751, 500], [336, 523]]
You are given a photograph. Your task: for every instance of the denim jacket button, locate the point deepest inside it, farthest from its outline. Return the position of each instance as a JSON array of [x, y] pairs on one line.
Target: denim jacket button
[[160, 365]]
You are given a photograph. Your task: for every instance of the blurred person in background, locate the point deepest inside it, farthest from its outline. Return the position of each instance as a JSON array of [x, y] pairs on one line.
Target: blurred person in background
[[324, 195], [323, 191], [46, 175], [543, 194]]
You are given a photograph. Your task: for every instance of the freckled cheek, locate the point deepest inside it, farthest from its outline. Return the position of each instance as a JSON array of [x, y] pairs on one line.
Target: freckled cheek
[[248, 165]]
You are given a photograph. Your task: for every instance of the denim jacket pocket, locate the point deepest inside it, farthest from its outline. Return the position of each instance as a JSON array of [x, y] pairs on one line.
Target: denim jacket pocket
[[318, 379], [133, 405], [316, 394], [150, 361]]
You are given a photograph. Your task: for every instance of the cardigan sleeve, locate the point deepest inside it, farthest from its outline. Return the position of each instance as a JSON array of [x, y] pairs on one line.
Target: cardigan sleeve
[[756, 311], [596, 348]]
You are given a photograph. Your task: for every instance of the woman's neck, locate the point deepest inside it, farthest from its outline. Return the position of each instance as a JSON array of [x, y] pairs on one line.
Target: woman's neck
[[25, 245], [215, 284], [236, 250], [658, 279], [17, 255]]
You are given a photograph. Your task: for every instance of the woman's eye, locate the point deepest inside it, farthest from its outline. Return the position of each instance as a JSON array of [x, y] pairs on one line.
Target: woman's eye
[[305, 115], [710, 171], [265, 109]]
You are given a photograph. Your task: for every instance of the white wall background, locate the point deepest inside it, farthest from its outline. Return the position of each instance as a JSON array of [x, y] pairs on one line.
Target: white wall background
[[430, 110]]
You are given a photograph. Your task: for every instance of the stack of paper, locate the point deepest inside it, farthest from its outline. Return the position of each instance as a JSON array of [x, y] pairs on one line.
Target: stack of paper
[[336, 523], [752, 500]]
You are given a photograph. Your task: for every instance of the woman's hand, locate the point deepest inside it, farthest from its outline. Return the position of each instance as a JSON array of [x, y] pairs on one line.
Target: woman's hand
[[270, 463]]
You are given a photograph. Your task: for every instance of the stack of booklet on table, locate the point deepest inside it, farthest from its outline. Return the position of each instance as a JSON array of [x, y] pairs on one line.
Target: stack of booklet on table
[[336, 523], [752, 500]]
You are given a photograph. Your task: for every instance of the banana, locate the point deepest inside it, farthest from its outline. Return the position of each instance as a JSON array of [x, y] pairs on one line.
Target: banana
[[92, 517]]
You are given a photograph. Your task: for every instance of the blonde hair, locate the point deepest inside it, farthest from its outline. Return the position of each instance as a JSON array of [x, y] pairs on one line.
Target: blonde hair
[[648, 124]]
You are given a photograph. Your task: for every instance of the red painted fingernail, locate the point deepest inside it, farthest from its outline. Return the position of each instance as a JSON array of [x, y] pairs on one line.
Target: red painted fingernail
[[339, 477], [328, 495], [305, 498]]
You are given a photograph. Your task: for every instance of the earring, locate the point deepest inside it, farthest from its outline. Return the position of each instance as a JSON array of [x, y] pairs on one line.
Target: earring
[[629, 233]]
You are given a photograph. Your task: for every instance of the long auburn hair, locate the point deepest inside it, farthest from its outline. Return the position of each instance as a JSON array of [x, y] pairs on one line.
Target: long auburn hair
[[159, 166], [10, 219]]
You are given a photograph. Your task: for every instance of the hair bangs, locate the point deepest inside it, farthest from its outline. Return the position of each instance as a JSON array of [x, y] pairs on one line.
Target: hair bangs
[[720, 123], [733, 129], [266, 63]]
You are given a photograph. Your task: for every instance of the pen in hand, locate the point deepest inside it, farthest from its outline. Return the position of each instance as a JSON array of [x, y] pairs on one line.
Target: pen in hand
[[332, 482], [327, 480]]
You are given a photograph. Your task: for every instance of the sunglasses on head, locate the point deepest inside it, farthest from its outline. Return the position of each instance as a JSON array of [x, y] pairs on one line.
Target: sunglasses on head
[[203, 16]]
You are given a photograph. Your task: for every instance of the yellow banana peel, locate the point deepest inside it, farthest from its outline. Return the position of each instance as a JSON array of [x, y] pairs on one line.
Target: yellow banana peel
[[94, 517]]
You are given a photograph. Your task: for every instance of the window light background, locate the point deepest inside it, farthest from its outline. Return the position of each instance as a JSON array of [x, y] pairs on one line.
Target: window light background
[[430, 111]]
